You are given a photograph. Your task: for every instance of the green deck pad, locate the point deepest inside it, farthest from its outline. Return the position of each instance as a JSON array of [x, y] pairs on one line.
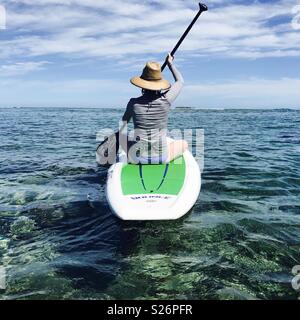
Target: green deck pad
[[153, 178]]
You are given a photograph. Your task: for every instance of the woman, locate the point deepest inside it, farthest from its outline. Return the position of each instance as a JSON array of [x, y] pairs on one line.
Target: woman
[[150, 114]]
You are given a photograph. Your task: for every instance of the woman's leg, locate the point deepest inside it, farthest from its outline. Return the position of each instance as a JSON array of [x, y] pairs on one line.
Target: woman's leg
[[176, 148]]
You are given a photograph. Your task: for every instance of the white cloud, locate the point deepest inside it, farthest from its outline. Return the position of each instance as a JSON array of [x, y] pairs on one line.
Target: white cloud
[[246, 93], [62, 92], [2, 17], [21, 68], [110, 28]]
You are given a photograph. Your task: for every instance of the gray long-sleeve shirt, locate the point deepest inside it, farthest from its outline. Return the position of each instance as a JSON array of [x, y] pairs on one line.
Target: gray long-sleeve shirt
[[150, 114]]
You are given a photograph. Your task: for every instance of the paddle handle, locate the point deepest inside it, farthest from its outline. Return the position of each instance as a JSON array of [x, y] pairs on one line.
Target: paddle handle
[[203, 8]]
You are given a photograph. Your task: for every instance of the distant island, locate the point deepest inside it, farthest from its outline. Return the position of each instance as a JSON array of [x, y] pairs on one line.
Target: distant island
[[183, 109]]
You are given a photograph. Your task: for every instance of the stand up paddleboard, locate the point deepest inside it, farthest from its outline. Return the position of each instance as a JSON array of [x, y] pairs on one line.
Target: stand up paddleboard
[[153, 192]]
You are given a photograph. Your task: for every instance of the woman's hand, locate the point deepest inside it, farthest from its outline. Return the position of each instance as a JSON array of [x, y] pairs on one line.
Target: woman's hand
[[170, 59]]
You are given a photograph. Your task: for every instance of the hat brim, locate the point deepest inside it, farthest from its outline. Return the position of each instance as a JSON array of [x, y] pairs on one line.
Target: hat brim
[[156, 85]]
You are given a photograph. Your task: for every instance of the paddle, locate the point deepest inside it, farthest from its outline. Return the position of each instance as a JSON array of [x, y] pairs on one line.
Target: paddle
[[202, 8], [108, 149]]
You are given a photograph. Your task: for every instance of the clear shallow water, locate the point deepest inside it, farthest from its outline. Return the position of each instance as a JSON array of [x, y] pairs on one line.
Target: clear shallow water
[[58, 239]]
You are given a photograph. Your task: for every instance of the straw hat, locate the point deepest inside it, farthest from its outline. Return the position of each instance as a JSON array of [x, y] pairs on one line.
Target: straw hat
[[152, 78]]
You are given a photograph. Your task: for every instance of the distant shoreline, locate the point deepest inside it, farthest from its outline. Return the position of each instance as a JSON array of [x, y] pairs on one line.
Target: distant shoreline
[[173, 108]]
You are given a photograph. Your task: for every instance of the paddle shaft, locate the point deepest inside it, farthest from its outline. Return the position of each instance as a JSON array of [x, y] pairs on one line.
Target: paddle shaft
[[203, 8]]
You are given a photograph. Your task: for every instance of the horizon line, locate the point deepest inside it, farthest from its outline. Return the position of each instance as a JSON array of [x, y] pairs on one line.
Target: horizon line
[[172, 108]]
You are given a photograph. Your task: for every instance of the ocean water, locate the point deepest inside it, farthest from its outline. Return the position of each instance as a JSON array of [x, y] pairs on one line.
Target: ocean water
[[59, 240]]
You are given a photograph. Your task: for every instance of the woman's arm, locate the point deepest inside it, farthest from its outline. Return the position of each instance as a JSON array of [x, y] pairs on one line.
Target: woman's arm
[[129, 110], [127, 115], [176, 88]]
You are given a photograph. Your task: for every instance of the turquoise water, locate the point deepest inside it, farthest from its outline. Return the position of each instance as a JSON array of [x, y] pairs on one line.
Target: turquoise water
[[58, 239]]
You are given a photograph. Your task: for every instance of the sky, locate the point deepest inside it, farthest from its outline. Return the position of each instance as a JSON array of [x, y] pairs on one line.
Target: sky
[[82, 53]]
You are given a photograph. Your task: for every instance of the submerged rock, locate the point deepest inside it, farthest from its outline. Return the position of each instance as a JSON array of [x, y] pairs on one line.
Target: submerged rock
[[23, 197], [22, 227], [3, 245]]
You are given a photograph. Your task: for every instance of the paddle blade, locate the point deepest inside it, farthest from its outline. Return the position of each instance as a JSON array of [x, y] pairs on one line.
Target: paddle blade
[[203, 7], [107, 151]]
